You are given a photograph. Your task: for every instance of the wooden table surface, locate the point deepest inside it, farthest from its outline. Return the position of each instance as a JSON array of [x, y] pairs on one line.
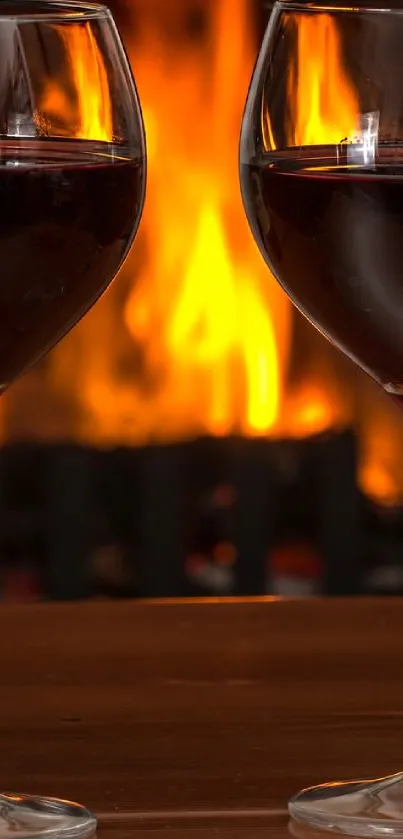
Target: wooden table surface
[[176, 718]]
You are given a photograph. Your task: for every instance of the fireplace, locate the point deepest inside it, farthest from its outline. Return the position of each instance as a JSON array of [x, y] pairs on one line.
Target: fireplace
[[194, 434]]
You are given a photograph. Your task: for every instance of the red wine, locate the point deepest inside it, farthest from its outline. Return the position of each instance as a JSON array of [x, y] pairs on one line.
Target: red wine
[[332, 233], [68, 214]]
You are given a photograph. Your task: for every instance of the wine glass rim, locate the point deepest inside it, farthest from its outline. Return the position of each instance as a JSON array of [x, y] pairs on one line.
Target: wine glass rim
[[51, 10], [326, 6]]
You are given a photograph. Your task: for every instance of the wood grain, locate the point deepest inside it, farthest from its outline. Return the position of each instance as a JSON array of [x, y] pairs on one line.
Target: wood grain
[[179, 716]]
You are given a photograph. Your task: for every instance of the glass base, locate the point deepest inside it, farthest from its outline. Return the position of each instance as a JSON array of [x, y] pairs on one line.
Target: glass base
[[31, 815], [359, 808]]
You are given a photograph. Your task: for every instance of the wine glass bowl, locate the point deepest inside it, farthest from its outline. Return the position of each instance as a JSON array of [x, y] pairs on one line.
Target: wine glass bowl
[[322, 173], [72, 183], [321, 170], [72, 170]]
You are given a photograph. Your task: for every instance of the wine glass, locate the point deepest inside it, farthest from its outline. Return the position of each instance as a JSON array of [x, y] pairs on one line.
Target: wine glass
[[72, 182], [321, 168]]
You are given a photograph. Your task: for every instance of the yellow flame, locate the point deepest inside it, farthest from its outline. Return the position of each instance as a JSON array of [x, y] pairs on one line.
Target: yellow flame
[[219, 316], [261, 358]]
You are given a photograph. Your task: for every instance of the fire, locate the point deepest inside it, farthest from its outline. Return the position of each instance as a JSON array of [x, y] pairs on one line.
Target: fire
[[219, 327], [326, 105], [311, 411], [222, 322], [195, 335], [380, 437], [206, 329], [86, 109]]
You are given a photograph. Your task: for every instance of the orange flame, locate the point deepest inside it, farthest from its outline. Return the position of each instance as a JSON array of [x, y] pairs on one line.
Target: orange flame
[[84, 112], [205, 285], [206, 329], [326, 103], [381, 451], [209, 327], [195, 335]]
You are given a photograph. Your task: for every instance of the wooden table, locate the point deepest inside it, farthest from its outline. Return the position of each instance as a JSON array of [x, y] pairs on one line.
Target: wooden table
[[198, 719]]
